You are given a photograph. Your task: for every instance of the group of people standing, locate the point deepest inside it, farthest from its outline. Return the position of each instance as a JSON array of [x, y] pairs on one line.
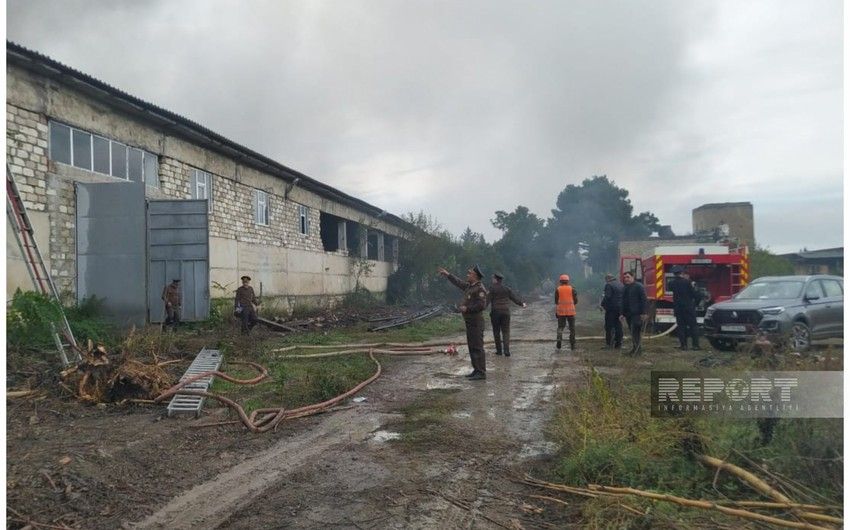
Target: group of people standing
[[476, 298], [624, 302], [244, 304]]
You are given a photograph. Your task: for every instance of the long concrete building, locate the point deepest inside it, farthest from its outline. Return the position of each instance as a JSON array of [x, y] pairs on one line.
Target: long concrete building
[[124, 195]]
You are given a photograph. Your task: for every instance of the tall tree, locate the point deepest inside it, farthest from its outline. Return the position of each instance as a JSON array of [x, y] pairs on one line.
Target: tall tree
[[765, 263], [591, 219], [519, 245]]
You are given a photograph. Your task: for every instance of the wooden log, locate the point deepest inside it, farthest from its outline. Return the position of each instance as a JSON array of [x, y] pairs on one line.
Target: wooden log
[[763, 487], [708, 505]]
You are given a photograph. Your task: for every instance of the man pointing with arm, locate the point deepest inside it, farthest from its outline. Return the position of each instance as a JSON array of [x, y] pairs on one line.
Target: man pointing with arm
[[472, 308]]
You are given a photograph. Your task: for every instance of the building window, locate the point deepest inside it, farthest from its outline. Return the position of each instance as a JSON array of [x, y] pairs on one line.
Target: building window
[[151, 170], [60, 143], [390, 246], [304, 220], [261, 208], [201, 187], [84, 150]]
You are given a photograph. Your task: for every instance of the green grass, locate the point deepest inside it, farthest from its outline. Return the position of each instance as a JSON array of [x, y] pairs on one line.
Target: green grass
[[607, 436], [298, 382]]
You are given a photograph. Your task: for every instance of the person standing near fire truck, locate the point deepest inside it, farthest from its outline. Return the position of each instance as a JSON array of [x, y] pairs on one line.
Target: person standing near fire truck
[[566, 299], [634, 309], [685, 299], [612, 304]]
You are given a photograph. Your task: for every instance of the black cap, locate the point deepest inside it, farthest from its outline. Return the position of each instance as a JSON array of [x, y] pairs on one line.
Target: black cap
[[176, 280], [677, 269], [245, 278], [477, 271], [498, 276]]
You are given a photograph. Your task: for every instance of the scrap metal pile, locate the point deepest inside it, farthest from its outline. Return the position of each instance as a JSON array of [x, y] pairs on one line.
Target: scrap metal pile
[[379, 319]]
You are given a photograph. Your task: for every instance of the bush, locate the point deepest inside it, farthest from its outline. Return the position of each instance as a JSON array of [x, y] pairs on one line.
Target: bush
[[29, 318], [360, 299]]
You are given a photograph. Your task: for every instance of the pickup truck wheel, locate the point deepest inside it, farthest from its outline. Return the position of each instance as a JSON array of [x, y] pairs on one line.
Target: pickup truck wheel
[[801, 337], [722, 344]]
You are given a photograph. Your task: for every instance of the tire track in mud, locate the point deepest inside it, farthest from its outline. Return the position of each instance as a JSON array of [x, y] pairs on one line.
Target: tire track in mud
[[351, 469]]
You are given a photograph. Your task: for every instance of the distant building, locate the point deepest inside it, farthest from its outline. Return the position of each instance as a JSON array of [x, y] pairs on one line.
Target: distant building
[[826, 261], [726, 219]]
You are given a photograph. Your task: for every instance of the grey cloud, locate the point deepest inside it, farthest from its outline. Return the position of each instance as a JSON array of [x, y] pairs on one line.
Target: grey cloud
[[457, 108]]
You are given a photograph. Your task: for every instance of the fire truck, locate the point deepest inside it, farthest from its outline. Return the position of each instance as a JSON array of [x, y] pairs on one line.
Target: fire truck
[[719, 270]]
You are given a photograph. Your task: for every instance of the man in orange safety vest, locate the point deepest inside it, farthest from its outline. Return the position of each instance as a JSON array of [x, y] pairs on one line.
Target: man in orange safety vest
[[566, 299]]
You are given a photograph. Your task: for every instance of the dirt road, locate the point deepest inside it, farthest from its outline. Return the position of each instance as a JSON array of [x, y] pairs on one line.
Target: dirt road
[[427, 449]]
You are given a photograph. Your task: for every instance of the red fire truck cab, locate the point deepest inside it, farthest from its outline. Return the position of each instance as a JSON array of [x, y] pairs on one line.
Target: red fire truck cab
[[719, 271]]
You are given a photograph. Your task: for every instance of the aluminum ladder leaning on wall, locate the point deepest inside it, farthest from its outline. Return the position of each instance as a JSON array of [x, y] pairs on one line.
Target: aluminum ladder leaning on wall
[[40, 275]]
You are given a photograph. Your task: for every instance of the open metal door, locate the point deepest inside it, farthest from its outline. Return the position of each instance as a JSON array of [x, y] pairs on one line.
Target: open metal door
[[111, 249], [178, 247]]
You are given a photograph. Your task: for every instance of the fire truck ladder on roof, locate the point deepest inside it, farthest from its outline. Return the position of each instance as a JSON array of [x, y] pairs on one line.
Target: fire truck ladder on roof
[[17, 213]]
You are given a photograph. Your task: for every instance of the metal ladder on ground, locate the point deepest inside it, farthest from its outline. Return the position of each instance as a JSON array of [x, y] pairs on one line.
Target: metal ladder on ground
[[206, 361], [40, 275]]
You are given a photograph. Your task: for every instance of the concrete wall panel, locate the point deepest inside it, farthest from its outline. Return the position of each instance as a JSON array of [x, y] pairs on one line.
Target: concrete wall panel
[[198, 157], [25, 90], [17, 276]]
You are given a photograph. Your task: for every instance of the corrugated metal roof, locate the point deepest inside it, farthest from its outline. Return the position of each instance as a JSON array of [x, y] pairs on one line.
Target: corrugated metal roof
[[826, 253], [32, 60]]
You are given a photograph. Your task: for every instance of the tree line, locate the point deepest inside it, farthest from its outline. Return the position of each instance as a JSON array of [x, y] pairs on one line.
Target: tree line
[[585, 227]]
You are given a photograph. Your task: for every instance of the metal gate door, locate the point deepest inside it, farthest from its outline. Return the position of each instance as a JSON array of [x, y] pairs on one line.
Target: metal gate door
[[178, 247], [111, 248]]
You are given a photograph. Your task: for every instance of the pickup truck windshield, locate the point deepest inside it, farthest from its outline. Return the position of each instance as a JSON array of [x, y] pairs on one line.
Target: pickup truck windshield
[[771, 290]]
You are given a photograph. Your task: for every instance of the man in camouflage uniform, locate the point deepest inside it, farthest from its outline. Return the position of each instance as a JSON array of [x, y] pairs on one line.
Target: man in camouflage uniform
[[472, 308], [245, 305], [500, 313], [173, 302]]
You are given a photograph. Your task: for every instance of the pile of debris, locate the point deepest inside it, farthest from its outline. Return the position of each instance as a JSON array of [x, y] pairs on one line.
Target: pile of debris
[[392, 322], [102, 377], [377, 318]]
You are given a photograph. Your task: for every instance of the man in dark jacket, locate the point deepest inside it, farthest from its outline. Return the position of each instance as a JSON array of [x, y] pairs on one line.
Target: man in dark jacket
[[472, 307], [612, 304], [634, 309], [500, 299], [245, 305], [685, 299]]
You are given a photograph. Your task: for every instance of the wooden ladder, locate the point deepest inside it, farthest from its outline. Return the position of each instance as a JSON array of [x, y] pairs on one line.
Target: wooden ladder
[[40, 275]]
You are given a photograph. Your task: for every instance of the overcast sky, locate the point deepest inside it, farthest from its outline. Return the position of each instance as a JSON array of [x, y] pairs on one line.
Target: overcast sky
[[464, 108]]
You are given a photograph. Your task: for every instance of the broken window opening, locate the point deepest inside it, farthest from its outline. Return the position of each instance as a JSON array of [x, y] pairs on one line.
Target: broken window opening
[[372, 245], [333, 231], [352, 238]]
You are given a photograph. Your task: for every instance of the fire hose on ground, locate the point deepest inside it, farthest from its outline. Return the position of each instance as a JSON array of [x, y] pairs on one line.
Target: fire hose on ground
[[265, 419], [262, 420]]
